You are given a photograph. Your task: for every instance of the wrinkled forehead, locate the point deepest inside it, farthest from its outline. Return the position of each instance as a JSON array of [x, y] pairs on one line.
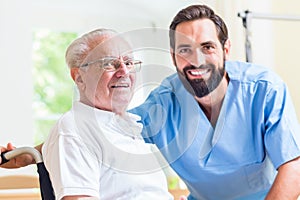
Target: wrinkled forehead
[[114, 46]]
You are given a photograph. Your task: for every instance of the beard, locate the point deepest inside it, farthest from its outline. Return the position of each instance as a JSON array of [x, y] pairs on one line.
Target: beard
[[201, 87]]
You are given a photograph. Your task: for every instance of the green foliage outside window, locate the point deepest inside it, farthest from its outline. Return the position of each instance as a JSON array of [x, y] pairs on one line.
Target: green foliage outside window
[[53, 86]]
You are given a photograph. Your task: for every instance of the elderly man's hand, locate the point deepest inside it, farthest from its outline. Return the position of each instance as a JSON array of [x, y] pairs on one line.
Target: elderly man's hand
[[20, 161]]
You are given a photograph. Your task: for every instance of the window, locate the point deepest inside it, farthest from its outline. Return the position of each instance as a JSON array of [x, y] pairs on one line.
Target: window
[[53, 86]]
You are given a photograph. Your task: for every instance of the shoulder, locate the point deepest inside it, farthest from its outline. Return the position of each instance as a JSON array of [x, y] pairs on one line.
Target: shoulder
[[169, 84], [65, 126], [251, 73], [66, 123], [169, 89]]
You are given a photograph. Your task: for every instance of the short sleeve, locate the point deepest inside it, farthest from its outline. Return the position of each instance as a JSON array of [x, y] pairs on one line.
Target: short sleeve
[[72, 168], [282, 137]]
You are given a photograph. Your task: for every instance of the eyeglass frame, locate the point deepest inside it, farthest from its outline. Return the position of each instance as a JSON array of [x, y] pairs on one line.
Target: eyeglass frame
[[131, 70]]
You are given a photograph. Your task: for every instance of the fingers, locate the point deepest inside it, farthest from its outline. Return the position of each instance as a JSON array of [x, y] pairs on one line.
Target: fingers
[[11, 163], [10, 146], [2, 149]]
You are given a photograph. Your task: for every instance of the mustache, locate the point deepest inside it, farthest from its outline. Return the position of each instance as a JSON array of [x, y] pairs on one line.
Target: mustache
[[203, 66]]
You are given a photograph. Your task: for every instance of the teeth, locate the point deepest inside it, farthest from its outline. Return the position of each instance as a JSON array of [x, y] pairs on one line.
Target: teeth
[[199, 73], [120, 85]]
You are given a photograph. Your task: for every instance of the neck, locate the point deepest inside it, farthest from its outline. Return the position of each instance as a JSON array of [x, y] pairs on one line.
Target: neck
[[212, 103], [119, 110]]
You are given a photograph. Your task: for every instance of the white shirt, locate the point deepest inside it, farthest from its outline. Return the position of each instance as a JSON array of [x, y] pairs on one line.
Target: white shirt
[[98, 153]]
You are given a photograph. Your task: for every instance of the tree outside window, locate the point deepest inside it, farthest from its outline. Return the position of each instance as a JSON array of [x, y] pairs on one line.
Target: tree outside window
[[53, 86]]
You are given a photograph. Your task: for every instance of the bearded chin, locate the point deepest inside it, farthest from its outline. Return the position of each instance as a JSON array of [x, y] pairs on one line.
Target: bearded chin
[[200, 87]]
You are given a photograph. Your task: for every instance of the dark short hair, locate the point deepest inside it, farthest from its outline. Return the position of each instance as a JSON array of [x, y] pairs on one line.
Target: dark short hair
[[195, 12]]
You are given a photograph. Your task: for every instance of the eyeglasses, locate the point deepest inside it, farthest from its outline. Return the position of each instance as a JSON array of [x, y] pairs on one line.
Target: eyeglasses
[[111, 64]]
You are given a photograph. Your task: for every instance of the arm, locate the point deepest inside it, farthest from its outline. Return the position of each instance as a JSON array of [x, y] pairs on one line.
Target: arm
[[282, 141], [287, 182], [20, 161], [71, 181]]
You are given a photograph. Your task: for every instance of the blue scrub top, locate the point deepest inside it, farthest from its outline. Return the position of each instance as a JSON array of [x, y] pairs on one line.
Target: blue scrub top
[[256, 132]]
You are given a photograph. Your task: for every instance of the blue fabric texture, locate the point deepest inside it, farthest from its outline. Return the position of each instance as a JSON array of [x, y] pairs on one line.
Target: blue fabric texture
[[256, 132]]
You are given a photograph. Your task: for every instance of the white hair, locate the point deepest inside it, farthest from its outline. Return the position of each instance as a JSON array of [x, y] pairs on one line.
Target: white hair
[[82, 46]]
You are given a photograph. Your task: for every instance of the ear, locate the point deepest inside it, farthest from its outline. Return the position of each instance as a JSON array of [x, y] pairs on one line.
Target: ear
[[173, 56], [75, 74], [77, 77], [227, 47]]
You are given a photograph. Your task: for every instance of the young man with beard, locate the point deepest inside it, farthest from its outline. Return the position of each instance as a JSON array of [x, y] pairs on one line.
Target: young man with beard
[[228, 129]]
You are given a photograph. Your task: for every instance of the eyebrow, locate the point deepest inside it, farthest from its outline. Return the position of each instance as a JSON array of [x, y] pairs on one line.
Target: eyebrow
[[201, 44], [183, 46], [208, 42], [126, 57]]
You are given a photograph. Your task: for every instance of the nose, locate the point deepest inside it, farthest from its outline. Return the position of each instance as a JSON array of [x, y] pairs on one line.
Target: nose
[[198, 58], [122, 70]]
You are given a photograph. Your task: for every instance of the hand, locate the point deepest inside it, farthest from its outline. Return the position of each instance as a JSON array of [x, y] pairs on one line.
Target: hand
[[182, 197], [17, 162], [5, 149]]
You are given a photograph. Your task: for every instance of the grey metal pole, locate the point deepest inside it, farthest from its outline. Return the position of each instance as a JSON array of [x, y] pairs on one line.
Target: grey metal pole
[[247, 16]]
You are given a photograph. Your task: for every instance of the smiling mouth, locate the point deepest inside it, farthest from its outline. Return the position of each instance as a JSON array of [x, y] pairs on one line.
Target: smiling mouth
[[120, 85], [197, 73]]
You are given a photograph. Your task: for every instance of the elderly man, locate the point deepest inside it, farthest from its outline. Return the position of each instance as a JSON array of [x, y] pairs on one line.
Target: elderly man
[[95, 150]]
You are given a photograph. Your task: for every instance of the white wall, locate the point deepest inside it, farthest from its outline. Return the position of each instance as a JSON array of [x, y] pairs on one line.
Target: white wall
[[286, 47], [15, 84]]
